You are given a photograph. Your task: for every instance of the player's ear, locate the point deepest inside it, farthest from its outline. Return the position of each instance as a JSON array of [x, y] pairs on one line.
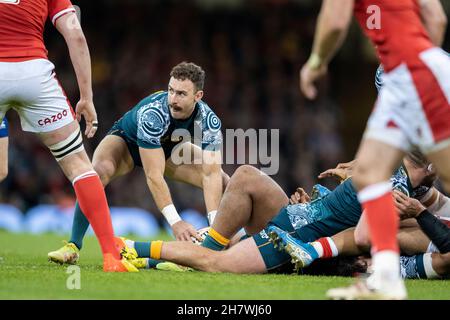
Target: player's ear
[[198, 95]]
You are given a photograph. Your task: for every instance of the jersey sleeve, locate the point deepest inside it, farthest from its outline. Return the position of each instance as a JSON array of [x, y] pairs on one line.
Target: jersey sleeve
[[212, 134], [58, 8], [151, 126]]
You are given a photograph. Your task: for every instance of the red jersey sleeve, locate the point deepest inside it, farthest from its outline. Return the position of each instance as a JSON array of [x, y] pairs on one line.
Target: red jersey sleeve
[[58, 8]]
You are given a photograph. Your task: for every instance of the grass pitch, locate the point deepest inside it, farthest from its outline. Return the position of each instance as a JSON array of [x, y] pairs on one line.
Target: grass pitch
[[25, 273]]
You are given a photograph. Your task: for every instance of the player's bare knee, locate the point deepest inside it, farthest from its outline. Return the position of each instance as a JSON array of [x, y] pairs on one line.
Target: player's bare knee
[[361, 239], [244, 172], [105, 170], [211, 262]]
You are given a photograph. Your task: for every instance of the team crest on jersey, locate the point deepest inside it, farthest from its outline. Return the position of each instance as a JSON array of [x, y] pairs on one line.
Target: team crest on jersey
[[213, 122], [151, 122]]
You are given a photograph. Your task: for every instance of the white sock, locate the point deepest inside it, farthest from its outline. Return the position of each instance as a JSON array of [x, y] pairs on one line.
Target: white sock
[[386, 264], [428, 266], [319, 247]]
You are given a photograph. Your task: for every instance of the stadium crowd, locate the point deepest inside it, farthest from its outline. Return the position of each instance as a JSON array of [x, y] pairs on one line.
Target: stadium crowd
[[251, 68]]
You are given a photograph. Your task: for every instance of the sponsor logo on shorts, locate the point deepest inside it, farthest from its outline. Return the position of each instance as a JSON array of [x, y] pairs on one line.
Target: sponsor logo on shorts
[[54, 118]]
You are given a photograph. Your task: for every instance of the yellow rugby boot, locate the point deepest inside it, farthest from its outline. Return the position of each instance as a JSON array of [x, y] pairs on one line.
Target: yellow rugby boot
[[125, 251], [67, 254], [114, 265], [170, 266]]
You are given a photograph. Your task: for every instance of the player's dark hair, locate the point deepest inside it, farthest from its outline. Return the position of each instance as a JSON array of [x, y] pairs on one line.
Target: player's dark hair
[[418, 158], [343, 266], [191, 71]]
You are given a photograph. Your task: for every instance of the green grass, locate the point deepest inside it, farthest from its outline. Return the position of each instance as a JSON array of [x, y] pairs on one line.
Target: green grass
[[25, 273]]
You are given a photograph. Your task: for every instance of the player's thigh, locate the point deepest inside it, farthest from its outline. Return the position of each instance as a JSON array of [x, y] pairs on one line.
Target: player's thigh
[[244, 257], [186, 173], [112, 158], [185, 166], [412, 241], [376, 160], [362, 234], [267, 196], [440, 160], [66, 145]]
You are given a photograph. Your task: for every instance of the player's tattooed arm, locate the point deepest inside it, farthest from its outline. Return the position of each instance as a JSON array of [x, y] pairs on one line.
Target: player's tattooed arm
[[434, 19]]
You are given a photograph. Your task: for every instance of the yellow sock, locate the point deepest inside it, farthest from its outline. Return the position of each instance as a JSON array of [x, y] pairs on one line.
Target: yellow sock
[[155, 249], [218, 237]]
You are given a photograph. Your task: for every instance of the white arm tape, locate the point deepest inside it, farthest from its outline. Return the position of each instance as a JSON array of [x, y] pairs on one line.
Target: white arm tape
[[211, 216], [171, 214]]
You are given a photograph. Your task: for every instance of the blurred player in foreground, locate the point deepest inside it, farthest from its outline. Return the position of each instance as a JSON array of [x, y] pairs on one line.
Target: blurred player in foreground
[[28, 84], [412, 110], [415, 197], [170, 133]]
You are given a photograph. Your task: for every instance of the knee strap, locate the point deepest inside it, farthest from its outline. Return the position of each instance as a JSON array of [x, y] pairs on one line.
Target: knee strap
[[72, 144]]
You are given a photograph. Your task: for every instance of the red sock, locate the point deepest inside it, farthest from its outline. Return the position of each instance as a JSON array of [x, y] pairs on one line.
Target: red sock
[[92, 200], [327, 251], [382, 218]]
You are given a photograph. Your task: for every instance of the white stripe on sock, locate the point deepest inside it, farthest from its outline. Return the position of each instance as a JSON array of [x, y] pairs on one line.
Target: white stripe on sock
[[428, 266], [318, 246], [130, 243], [374, 191], [84, 175], [334, 249]]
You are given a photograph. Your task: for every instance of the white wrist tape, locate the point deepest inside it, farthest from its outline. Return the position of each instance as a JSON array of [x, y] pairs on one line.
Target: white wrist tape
[[171, 214], [211, 216]]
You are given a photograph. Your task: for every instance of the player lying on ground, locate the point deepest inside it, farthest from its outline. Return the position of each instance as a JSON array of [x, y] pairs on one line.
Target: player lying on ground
[[152, 135], [254, 201], [414, 238]]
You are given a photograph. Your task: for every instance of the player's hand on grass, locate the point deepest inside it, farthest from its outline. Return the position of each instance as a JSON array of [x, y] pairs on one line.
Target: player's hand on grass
[[407, 207], [183, 231], [86, 109], [308, 77], [300, 196], [341, 172]]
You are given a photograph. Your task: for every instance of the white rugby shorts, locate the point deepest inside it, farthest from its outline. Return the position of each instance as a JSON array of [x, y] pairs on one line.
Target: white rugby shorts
[[32, 89], [413, 106]]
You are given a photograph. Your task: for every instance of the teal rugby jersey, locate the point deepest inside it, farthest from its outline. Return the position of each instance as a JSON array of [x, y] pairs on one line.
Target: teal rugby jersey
[[150, 125]]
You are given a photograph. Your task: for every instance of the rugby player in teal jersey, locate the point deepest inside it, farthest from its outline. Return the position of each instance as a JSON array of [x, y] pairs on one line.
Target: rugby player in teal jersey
[[3, 149], [414, 196], [254, 201], [171, 134]]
